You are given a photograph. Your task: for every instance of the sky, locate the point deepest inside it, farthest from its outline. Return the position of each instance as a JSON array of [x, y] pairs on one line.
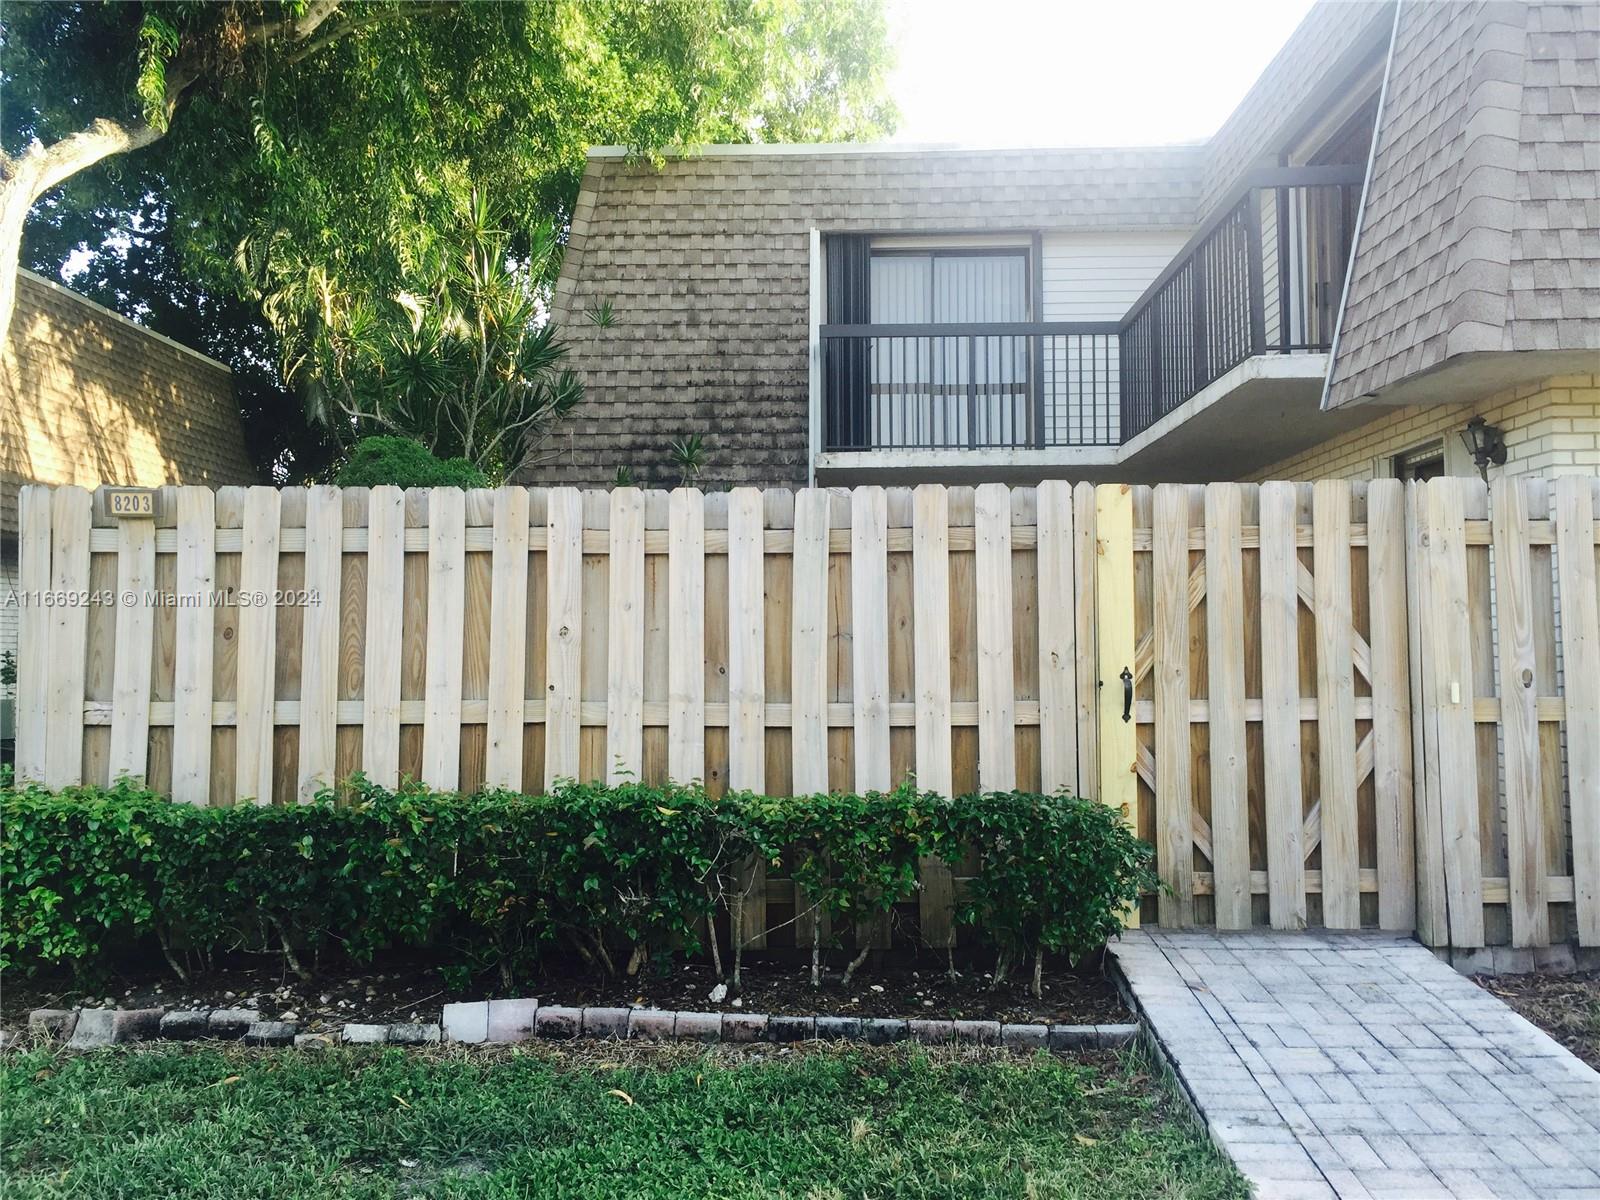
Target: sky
[[1079, 72]]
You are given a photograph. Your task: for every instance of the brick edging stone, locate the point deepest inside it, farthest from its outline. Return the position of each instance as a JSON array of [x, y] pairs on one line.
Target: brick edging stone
[[501, 1022]]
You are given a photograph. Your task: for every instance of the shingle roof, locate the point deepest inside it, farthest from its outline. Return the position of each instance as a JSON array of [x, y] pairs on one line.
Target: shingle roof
[[1482, 223]]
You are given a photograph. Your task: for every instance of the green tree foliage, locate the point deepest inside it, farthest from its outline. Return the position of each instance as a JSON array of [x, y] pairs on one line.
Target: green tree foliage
[[459, 358], [296, 147], [404, 463]]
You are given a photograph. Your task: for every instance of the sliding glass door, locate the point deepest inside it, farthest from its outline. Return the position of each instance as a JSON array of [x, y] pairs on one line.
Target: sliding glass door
[[963, 389]]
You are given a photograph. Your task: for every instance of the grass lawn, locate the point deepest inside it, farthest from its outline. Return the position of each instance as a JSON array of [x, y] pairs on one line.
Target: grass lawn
[[815, 1125]]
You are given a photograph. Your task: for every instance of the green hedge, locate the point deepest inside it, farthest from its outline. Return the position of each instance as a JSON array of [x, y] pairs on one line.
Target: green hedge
[[497, 879]]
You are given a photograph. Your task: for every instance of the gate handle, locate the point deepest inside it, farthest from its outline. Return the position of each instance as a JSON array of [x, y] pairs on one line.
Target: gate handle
[[1127, 694]]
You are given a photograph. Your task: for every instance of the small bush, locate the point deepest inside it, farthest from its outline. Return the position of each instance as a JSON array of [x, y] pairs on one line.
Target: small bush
[[405, 463], [495, 880], [1054, 874]]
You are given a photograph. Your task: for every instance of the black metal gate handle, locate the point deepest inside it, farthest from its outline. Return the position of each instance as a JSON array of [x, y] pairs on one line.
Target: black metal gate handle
[[1127, 694]]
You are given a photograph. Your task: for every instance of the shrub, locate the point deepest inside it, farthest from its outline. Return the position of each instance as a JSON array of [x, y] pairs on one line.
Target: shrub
[[1055, 873], [617, 875], [404, 463], [852, 858]]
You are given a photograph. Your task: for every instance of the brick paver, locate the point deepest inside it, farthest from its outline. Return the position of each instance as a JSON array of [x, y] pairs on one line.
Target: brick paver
[[1359, 1065]]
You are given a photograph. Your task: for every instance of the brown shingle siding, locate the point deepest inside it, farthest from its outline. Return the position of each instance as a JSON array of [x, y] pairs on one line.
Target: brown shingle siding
[[1482, 226], [91, 398]]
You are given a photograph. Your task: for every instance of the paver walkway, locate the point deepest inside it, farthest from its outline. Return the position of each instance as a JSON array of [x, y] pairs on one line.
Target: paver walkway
[[1358, 1065]]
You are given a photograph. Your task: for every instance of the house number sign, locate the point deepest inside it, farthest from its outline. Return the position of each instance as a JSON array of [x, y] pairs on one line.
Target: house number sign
[[127, 503]]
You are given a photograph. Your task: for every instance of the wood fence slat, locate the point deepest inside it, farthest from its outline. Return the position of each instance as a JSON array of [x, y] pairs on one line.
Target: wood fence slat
[[1169, 546], [809, 651], [997, 715], [196, 663], [1336, 706], [1455, 760], [1280, 708], [686, 649], [1230, 811], [319, 656], [258, 627], [594, 762], [130, 688], [33, 632], [1432, 914], [563, 635], [508, 631], [70, 509], [1392, 747], [1580, 646], [196, 580], [869, 635], [1114, 621], [1058, 726], [747, 684], [381, 666], [441, 721], [625, 639], [930, 568], [1519, 718], [1084, 557]]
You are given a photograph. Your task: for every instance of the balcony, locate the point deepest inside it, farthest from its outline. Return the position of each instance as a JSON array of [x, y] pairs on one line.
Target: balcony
[[1262, 279]]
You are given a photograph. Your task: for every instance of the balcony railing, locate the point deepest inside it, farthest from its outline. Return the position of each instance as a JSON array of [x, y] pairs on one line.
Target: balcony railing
[[1264, 276], [975, 386]]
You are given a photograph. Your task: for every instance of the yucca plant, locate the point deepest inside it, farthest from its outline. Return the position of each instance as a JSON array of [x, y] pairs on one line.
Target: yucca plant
[[461, 356]]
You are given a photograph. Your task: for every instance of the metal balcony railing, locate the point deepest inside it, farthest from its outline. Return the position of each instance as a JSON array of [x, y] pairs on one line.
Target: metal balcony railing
[[1264, 276], [970, 386]]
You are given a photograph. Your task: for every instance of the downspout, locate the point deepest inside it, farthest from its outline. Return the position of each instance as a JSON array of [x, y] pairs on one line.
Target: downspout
[[1361, 207]]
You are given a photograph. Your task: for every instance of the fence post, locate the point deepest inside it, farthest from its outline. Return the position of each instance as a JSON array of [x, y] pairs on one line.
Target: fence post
[[1113, 592], [33, 632]]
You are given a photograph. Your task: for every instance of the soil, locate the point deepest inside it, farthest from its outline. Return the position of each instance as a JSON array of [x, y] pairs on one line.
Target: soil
[[1567, 1007], [414, 991]]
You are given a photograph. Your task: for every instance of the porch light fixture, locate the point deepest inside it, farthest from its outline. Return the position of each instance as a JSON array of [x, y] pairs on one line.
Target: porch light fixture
[[1487, 444]]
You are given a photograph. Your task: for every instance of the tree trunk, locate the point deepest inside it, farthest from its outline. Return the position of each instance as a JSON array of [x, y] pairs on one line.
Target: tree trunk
[[38, 169]]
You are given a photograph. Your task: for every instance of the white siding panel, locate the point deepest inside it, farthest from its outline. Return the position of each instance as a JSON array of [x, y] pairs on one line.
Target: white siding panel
[[1098, 276]]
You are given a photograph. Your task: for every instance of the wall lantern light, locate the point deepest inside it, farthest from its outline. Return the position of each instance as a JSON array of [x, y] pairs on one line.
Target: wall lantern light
[[1487, 444]]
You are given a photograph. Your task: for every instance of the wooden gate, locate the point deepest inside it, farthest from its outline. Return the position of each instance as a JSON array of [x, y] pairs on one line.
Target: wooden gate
[[1347, 704], [1372, 704]]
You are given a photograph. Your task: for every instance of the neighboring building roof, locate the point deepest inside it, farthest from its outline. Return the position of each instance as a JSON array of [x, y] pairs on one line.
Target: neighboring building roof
[[1481, 229], [91, 397]]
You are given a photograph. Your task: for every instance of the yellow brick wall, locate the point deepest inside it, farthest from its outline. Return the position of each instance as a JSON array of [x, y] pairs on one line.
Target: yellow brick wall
[[1551, 427], [88, 398]]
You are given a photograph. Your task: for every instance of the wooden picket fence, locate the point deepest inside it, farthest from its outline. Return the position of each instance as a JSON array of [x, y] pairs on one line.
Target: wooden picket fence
[[1346, 704]]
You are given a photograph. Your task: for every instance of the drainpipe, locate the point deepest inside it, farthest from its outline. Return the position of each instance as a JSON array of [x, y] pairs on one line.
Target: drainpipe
[[1361, 207]]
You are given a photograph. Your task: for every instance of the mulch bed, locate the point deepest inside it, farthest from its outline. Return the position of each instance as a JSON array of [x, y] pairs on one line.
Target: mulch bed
[[414, 991], [1567, 1007]]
